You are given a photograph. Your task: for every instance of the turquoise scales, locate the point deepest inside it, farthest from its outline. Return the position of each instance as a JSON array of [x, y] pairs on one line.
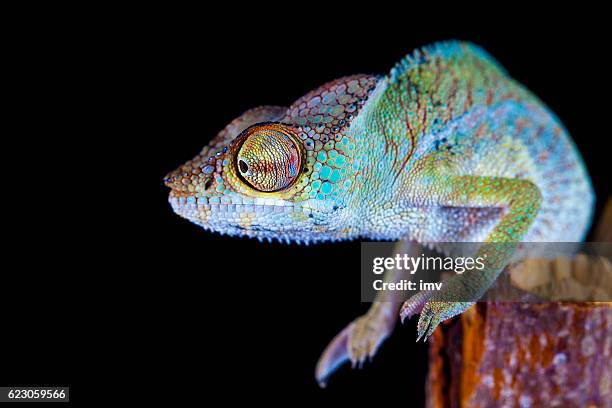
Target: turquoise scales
[[447, 147]]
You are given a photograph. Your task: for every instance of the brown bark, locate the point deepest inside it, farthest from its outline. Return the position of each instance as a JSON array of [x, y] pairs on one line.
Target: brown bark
[[511, 354], [555, 353], [603, 232]]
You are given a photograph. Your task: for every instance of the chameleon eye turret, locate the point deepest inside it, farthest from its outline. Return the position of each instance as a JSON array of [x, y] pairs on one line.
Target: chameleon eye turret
[[269, 158]]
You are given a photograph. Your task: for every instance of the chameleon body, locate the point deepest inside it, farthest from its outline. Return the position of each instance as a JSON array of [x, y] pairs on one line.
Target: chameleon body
[[445, 148]]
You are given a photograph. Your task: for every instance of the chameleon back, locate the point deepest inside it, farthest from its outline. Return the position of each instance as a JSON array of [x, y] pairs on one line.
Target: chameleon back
[[452, 101]]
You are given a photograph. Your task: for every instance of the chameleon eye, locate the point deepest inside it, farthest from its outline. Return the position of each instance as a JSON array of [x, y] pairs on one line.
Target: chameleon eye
[[269, 159]]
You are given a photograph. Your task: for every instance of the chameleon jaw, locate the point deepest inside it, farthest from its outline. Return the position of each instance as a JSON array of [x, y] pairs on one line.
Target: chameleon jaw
[[262, 218]]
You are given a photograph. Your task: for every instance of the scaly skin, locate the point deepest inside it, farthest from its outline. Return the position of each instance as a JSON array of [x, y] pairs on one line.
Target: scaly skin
[[446, 148]]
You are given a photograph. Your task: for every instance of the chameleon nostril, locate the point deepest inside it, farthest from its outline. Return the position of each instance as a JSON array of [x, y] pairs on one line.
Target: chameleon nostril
[[243, 166]]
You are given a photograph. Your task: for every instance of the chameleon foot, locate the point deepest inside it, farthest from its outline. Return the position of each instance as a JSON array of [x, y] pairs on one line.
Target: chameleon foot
[[414, 305], [358, 341], [435, 312]]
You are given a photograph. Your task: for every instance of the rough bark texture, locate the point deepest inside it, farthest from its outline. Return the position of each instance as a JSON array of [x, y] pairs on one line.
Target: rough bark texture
[[507, 354], [603, 232], [531, 354]]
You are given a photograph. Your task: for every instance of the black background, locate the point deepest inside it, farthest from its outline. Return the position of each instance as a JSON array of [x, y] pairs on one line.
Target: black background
[[146, 299]]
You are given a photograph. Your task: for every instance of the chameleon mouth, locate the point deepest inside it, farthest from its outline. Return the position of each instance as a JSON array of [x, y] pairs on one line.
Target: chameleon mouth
[[269, 219], [243, 204], [238, 217], [234, 205], [248, 216]]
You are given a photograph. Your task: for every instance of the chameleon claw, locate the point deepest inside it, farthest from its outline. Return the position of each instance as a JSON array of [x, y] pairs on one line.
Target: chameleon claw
[[423, 324], [357, 343], [432, 326], [431, 316], [334, 356], [414, 305], [435, 313]]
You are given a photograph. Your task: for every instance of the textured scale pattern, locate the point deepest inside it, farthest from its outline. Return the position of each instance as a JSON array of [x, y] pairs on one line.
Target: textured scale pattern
[[210, 189], [446, 148]]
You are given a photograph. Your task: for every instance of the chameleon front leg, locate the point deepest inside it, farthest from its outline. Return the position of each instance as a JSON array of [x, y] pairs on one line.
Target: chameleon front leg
[[361, 338], [521, 200]]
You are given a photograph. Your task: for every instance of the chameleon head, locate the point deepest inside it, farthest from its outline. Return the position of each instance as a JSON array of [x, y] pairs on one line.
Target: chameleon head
[[258, 184]]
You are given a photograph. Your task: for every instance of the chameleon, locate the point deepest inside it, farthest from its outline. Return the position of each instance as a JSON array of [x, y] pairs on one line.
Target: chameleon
[[446, 147]]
